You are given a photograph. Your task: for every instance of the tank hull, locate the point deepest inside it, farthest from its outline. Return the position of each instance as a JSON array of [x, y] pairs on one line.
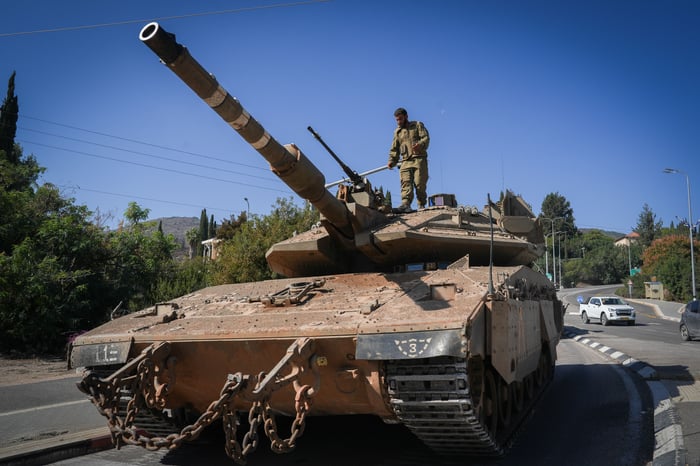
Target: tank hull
[[371, 334]]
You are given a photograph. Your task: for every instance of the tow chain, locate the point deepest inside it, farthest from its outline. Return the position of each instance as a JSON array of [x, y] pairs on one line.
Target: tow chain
[[150, 392], [302, 404]]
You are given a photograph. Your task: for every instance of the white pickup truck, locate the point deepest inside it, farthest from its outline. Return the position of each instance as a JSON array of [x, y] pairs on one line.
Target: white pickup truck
[[606, 309]]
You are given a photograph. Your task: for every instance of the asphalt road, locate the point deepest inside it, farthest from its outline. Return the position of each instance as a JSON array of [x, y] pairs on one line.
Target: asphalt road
[[653, 339], [44, 410], [656, 341]]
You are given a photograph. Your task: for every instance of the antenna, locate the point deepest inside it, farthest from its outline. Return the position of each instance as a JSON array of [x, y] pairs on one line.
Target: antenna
[[491, 290], [503, 175], [352, 174]]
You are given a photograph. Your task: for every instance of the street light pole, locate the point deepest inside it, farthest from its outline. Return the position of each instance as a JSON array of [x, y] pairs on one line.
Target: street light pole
[[629, 255], [247, 211], [559, 233], [690, 226], [546, 257], [559, 257], [554, 258]]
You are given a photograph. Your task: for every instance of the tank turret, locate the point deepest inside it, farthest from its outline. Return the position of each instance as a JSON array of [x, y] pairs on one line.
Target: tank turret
[[358, 237]]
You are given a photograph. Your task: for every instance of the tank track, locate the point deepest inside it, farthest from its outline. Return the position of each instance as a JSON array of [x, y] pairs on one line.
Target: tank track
[[437, 400]]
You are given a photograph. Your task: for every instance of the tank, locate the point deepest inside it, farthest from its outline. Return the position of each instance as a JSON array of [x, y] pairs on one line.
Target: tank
[[432, 318]]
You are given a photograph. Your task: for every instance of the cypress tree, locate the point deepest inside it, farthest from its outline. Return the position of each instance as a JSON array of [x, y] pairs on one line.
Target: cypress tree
[[212, 227], [8, 123], [203, 231]]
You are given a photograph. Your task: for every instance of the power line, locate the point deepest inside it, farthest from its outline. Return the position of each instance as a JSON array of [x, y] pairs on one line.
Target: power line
[[184, 162], [171, 170], [135, 141], [163, 18], [128, 196]]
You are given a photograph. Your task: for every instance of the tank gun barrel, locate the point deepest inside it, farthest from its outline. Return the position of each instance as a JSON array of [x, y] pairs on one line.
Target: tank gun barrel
[[287, 161]]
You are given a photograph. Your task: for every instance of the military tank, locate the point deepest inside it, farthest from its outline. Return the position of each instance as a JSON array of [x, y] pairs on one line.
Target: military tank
[[431, 318]]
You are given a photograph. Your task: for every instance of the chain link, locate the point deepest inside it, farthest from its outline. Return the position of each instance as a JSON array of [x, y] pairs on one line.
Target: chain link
[[145, 393], [302, 404]]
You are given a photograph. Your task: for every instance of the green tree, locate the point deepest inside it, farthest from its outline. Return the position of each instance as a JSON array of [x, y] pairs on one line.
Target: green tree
[[135, 214], [137, 261], [52, 283], [601, 262], [667, 260], [9, 113], [203, 232], [211, 229], [192, 236], [557, 216], [242, 258], [182, 277], [19, 201], [18, 176], [230, 226], [647, 227], [557, 207]]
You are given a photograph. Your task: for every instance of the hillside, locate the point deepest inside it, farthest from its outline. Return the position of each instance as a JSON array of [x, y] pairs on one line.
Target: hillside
[[612, 234]]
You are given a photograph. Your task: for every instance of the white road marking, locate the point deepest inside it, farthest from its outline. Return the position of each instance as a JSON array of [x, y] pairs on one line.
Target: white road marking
[[39, 408]]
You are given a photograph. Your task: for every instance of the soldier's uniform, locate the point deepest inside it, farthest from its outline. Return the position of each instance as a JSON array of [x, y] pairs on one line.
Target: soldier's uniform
[[414, 164]]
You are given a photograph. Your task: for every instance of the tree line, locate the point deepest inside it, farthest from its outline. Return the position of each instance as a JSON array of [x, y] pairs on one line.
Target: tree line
[[655, 254]]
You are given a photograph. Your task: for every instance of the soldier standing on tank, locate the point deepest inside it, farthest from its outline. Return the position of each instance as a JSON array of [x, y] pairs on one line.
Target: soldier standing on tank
[[410, 145]]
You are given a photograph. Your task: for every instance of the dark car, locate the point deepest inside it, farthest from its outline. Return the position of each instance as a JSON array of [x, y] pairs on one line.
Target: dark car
[[690, 320]]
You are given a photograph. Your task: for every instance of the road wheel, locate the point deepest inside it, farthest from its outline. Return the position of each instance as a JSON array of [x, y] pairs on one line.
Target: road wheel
[[529, 385], [505, 402], [603, 319], [584, 317], [489, 402], [685, 335], [542, 373], [519, 395]]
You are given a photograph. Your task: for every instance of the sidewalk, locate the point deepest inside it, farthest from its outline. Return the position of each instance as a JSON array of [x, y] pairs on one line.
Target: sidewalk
[[673, 379], [56, 448], [667, 310]]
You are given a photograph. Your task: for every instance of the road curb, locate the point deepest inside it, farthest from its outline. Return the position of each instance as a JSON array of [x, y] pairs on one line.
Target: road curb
[[59, 448], [668, 433], [657, 310]]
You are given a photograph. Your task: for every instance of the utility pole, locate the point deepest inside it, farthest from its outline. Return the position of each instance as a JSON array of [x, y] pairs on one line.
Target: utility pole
[[554, 258], [690, 227]]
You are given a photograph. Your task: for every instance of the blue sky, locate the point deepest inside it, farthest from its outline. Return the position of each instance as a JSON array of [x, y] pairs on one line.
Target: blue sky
[[590, 99]]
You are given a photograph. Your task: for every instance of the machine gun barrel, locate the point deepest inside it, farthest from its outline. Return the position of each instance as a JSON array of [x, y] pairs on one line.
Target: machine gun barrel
[[361, 175], [287, 162], [352, 174]]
